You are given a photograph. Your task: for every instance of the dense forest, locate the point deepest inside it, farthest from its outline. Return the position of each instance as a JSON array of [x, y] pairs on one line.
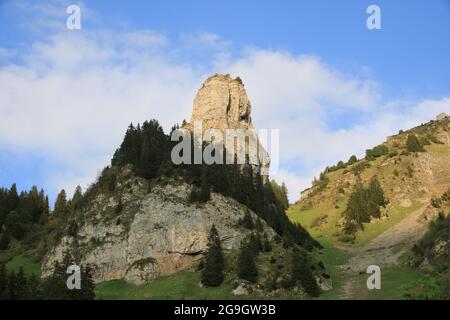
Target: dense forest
[[28, 225]]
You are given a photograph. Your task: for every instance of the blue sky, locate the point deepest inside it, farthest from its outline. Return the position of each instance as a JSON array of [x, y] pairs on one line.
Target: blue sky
[[311, 68]]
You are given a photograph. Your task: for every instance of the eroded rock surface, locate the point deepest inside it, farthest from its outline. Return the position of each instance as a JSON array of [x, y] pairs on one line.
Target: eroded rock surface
[[156, 233]]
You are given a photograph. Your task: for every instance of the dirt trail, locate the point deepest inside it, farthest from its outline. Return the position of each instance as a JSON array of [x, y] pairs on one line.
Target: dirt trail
[[383, 251]]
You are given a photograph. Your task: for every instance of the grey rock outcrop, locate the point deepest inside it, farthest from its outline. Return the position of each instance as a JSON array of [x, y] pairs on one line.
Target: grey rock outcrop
[[155, 233]]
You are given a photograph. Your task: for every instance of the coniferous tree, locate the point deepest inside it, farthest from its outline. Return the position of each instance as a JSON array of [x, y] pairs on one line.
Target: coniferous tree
[[33, 291], [87, 291], [363, 204], [357, 206], [55, 286], [75, 202], [21, 284], [281, 194], [376, 192], [13, 197], [61, 207], [5, 239], [301, 272], [213, 265], [246, 266], [16, 224]]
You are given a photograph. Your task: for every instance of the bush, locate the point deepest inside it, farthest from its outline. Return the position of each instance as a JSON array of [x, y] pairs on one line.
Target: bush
[[424, 141], [360, 167], [435, 202], [413, 144], [376, 152]]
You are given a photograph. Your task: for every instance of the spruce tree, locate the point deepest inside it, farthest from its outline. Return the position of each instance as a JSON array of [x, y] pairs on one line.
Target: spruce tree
[[302, 272], [357, 206], [376, 192], [246, 266], [61, 207], [213, 267], [74, 203], [87, 291]]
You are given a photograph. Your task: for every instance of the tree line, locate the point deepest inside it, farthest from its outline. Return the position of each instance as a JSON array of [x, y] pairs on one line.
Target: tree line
[[19, 286], [19, 212]]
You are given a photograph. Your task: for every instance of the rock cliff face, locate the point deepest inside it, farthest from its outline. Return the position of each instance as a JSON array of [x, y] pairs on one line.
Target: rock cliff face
[[222, 103], [141, 231]]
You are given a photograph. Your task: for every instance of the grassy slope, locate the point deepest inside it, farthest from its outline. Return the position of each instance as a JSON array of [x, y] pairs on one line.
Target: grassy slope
[[29, 265], [185, 285], [327, 230], [332, 258], [182, 285]]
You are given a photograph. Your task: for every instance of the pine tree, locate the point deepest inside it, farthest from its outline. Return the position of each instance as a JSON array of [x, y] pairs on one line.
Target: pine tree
[[246, 266], [87, 291], [75, 202], [212, 273], [376, 192], [54, 287], [21, 284], [363, 204], [16, 224], [301, 272], [357, 206], [13, 197], [61, 207]]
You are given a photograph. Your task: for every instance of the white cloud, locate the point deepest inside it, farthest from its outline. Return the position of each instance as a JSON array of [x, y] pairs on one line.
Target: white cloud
[[75, 95]]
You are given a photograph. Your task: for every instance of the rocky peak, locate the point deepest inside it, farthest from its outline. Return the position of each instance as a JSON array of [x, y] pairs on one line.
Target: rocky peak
[[222, 103]]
